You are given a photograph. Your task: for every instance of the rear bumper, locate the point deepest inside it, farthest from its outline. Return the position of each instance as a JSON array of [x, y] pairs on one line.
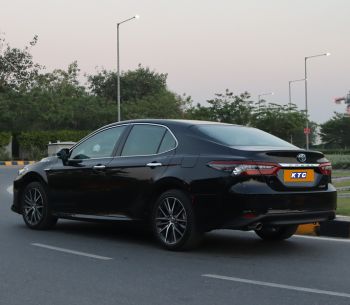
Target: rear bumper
[[279, 219], [243, 207], [280, 208]]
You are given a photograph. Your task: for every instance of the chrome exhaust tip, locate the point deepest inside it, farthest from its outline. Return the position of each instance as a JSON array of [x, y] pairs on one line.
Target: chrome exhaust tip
[[258, 226]]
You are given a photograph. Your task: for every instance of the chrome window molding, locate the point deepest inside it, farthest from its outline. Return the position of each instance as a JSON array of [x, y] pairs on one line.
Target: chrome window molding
[[153, 124], [92, 134], [127, 124]]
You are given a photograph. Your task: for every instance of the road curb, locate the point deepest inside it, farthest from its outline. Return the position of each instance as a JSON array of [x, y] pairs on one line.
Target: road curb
[[20, 162], [339, 227], [308, 229]]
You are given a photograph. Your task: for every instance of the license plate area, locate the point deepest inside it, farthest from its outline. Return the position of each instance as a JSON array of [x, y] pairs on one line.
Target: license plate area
[[298, 175]]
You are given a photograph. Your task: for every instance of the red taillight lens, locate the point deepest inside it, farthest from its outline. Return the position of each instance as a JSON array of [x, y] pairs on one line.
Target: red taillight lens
[[251, 168], [326, 168]]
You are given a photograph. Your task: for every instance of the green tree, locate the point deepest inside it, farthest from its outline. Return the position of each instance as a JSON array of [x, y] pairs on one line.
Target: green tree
[[163, 105], [135, 84], [226, 107], [335, 133], [56, 100], [17, 69], [283, 121]]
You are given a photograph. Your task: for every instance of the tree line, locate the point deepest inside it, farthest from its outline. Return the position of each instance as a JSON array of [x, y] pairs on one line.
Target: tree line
[[33, 99]]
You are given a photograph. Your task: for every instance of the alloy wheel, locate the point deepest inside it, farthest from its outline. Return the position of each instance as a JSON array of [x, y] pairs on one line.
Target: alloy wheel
[[171, 220], [33, 206]]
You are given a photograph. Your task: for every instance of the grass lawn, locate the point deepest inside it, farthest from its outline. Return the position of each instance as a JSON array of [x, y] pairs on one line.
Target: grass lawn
[[343, 206], [336, 173], [343, 203], [341, 183]]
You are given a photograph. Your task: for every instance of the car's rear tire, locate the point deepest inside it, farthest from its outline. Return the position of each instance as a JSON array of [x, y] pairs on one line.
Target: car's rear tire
[[35, 208], [173, 221], [275, 233]]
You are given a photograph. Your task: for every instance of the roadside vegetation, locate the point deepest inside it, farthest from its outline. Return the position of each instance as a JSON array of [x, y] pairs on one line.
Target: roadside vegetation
[[37, 105], [344, 192]]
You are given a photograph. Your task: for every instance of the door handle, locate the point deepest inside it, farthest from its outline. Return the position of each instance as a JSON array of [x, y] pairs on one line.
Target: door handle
[[100, 166], [154, 164]]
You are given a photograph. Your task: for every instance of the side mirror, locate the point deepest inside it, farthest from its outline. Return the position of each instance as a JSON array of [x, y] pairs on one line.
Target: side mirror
[[63, 154]]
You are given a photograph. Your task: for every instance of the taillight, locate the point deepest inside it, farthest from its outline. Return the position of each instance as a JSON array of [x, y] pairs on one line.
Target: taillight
[[245, 168], [326, 168]]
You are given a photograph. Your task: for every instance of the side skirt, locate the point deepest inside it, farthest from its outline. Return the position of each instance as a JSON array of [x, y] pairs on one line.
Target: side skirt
[[96, 218]]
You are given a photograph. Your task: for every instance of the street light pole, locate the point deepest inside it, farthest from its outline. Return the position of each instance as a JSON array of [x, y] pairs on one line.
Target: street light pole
[[262, 94], [118, 64], [290, 90], [306, 104]]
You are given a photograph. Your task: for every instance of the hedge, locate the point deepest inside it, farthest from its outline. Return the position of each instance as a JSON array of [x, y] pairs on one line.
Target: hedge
[[335, 151], [35, 142], [339, 161], [5, 138]]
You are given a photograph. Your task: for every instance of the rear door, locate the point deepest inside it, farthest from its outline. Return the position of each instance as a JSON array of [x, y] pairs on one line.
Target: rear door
[[142, 160]]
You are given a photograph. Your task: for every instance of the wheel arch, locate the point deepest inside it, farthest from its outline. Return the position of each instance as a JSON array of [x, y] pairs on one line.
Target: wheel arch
[[163, 185], [28, 178]]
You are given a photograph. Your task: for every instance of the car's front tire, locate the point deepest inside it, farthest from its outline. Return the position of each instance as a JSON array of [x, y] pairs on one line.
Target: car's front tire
[[173, 221], [276, 233], [35, 208]]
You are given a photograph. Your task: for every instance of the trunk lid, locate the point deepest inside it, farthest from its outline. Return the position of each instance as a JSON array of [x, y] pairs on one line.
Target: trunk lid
[[298, 169]]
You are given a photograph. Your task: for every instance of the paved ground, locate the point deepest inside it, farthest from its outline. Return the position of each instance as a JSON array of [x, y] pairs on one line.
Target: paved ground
[[79, 263]]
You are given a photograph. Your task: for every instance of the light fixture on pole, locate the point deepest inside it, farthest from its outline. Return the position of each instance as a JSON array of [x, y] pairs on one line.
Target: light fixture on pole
[[118, 65], [307, 129], [262, 94], [290, 90]]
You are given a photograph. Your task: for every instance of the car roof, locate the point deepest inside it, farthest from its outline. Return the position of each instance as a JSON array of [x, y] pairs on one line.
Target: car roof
[[168, 122]]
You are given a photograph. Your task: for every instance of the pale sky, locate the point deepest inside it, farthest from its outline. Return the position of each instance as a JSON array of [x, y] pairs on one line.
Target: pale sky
[[205, 46]]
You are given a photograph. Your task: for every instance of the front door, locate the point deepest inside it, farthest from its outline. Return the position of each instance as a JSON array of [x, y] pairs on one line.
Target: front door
[[82, 185]]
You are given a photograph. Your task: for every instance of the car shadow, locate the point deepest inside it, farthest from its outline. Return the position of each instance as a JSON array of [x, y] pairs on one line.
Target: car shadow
[[219, 243], [228, 243]]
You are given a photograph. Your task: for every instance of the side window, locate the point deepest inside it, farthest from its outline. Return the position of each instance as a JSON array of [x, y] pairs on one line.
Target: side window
[[168, 143], [143, 140], [100, 145]]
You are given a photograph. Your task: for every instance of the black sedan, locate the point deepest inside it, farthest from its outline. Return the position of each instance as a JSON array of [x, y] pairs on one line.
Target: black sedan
[[184, 178]]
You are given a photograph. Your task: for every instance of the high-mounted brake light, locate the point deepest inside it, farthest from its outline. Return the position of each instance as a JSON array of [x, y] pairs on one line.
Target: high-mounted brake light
[[245, 168], [326, 168]]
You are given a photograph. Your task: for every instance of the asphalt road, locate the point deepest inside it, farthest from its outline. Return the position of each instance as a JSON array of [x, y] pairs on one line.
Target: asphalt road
[[83, 263]]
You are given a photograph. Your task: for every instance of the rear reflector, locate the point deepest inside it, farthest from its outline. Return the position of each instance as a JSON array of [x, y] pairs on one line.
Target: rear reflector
[[245, 168]]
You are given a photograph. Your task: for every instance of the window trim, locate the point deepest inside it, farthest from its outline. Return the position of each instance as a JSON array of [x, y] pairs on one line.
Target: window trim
[[121, 142], [95, 133], [152, 124]]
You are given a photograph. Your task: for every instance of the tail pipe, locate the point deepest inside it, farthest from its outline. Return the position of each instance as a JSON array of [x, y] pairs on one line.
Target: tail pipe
[[256, 226]]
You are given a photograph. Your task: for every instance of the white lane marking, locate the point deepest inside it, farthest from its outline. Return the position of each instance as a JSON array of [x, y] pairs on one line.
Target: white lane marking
[[341, 240], [10, 189], [71, 251], [275, 285]]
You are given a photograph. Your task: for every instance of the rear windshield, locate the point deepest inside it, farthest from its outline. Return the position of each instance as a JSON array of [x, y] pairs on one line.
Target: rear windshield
[[241, 136]]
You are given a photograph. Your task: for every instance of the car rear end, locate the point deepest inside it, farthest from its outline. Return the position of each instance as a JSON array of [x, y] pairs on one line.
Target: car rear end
[[267, 185]]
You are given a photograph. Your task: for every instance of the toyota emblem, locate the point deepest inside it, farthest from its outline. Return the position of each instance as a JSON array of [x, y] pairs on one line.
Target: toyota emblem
[[301, 157]]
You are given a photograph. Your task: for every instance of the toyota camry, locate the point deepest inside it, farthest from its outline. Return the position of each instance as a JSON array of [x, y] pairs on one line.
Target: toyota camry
[[182, 179]]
